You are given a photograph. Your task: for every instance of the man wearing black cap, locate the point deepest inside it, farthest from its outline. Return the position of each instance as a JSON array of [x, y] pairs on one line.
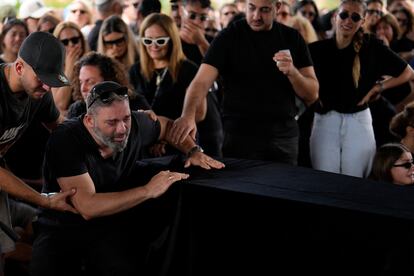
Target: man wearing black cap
[[96, 154], [24, 96]]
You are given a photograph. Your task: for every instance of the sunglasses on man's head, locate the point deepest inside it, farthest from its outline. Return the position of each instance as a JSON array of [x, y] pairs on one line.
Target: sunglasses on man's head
[[356, 17], [73, 40], [406, 165], [106, 95], [160, 41], [114, 42]]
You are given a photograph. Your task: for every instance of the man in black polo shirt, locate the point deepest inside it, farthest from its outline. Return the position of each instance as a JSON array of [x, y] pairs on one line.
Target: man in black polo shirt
[[96, 154], [260, 84]]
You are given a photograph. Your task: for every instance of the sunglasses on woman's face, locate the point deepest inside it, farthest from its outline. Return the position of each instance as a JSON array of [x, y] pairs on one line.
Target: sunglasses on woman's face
[[116, 42], [78, 10], [356, 17], [307, 13], [73, 40], [406, 165], [160, 41]]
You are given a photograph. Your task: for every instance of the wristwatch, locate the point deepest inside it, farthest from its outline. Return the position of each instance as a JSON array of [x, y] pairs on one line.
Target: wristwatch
[[48, 194], [193, 150]]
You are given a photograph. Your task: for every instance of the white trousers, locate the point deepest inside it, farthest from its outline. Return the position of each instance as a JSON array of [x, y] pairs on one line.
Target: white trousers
[[343, 143]]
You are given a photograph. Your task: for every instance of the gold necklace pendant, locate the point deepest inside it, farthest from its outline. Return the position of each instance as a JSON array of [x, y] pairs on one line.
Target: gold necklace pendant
[[158, 80]]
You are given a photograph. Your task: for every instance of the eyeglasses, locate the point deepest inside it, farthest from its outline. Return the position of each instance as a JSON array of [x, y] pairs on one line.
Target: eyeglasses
[[213, 30], [160, 41], [374, 12], [406, 165], [8, 19], [307, 13], [174, 6], [193, 15], [283, 14], [106, 95], [229, 13], [78, 10], [402, 21], [356, 17], [116, 42], [394, 12], [73, 40]]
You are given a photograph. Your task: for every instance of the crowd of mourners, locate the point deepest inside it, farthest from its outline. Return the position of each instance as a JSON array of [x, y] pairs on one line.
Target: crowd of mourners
[[88, 90]]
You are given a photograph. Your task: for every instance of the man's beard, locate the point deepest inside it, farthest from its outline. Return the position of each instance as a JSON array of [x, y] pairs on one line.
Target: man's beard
[[108, 140]]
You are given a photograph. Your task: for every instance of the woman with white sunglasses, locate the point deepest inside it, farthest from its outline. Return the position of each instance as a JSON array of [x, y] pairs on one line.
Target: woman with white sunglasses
[[163, 73], [342, 139]]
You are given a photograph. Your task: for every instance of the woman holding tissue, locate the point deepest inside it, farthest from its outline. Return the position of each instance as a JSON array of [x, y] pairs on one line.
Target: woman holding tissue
[[342, 139]]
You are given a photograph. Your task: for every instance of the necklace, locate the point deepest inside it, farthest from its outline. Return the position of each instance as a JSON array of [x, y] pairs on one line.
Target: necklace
[[160, 76], [158, 80]]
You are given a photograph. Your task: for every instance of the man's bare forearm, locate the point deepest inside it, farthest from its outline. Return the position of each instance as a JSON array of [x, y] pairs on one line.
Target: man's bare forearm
[[17, 188]]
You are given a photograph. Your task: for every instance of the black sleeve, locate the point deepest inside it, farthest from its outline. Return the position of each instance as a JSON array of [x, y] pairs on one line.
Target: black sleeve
[[217, 54], [301, 55], [64, 154], [391, 63], [138, 101], [48, 112]]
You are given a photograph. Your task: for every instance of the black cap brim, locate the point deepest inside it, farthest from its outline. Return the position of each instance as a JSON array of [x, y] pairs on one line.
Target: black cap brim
[[53, 79]]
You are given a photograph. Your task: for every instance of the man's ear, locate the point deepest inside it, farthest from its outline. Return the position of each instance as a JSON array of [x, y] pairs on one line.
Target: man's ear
[[89, 120], [19, 67]]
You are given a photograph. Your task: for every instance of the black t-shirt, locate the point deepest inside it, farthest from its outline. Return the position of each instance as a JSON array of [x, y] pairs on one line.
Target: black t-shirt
[[256, 93], [72, 151], [169, 98], [18, 110], [192, 52], [333, 69], [402, 45]]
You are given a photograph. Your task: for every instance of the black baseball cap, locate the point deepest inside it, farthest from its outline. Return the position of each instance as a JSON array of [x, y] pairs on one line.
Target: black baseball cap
[[46, 55]]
